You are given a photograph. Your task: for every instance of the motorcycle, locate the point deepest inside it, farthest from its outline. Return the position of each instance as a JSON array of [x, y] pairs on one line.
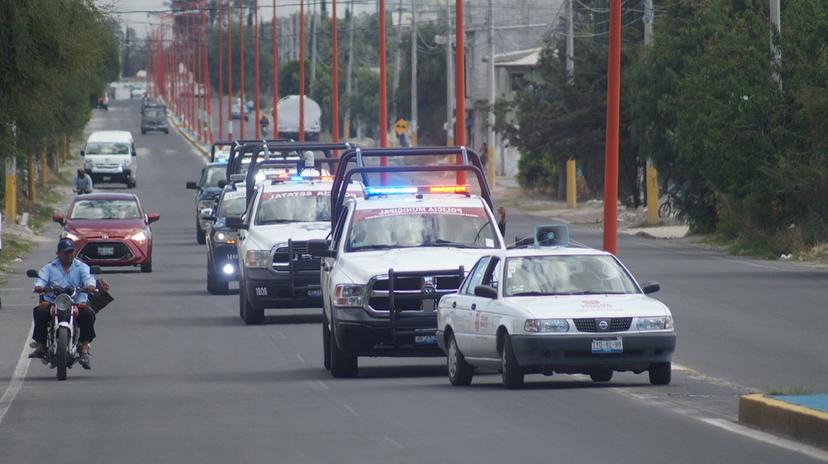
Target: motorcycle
[[63, 334]]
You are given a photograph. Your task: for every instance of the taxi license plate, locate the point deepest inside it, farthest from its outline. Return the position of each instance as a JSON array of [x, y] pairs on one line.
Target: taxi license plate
[[607, 345], [315, 293], [425, 339], [106, 251]]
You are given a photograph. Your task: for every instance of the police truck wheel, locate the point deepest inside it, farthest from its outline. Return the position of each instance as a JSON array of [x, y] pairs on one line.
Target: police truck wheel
[[343, 365], [250, 315], [601, 375], [511, 371], [660, 373], [326, 343], [460, 373]]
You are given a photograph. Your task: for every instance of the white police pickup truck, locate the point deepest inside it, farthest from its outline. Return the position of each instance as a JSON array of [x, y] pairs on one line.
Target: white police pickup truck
[[393, 252], [554, 309]]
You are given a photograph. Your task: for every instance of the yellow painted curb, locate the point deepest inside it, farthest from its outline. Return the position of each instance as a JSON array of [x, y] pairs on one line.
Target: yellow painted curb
[[782, 418], [186, 136]]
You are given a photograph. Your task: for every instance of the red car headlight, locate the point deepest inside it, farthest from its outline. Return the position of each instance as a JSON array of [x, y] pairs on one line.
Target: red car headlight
[[139, 236]]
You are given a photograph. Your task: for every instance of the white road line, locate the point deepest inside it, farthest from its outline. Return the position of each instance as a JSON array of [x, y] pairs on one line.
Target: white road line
[[16, 381], [299, 357], [392, 441], [350, 410], [768, 438]]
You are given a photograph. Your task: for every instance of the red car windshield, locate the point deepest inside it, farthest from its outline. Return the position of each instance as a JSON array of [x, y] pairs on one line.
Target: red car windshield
[[105, 209]]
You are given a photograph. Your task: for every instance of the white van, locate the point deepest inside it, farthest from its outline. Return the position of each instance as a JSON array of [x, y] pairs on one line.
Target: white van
[[110, 156]]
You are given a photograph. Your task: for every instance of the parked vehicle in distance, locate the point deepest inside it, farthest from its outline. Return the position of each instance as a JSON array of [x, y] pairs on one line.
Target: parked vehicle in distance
[[288, 108], [110, 156], [109, 229]]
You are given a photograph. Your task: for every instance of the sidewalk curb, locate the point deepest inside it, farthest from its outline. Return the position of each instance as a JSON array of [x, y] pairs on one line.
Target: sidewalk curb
[[203, 151], [779, 417]]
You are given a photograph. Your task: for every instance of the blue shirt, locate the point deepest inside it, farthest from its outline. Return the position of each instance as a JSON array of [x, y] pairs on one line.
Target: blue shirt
[[77, 276], [82, 184]]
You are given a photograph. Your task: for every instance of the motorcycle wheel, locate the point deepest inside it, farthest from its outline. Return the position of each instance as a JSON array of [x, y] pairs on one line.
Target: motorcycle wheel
[[62, 353]]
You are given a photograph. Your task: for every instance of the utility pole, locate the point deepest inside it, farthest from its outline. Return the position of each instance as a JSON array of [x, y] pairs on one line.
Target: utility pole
[[301, 70], [275, 83], [313, 43], [334, 78], [220, 52], [383, 103], [413, 123], [460, 85], [347, 122], [397, 60], [570, 43], [776, 30], [449, 80], [257, 84], [241, 77], [490, 134], [229, 71], [651, 175], [648, 18]]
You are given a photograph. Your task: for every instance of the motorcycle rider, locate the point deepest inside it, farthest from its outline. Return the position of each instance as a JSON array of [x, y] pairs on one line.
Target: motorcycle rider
[[264, 123], [82, 182], [64, 271]]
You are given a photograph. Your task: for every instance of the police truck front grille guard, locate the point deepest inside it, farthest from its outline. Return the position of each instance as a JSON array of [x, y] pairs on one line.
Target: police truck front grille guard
[[395, 315], [292, 253], [343, 176]]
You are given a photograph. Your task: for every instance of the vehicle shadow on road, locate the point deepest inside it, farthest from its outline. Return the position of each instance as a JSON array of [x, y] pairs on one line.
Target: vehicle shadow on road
[[401, 372], [287, 319], [493, 382]]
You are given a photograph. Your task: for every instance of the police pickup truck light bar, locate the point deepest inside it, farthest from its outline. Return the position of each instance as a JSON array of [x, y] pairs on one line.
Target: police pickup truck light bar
[[399, 190]]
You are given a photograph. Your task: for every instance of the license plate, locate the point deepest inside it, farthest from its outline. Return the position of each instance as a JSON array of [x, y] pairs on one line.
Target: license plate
[[607, 345], [106, 251], [315, 293], [425, 339], [107, 177]]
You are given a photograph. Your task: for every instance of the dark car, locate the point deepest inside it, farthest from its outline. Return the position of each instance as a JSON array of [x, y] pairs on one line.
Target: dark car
[[154, 118], [222, 256], [207, 192], [109, 229]]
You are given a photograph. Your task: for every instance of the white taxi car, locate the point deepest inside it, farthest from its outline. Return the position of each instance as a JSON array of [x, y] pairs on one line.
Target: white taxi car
[[554, 310]]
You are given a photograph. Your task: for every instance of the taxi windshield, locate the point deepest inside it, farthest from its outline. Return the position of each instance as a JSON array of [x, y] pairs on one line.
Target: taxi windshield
[[377, 229], [232, 207], [105, 209], [101, 148], [566, 275], [307, 206]]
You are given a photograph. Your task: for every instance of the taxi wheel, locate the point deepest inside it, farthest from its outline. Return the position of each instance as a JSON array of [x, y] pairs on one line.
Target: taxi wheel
[[661, 373], [250, 315], [601, 375], [343, 365], [512, 373], [460, 373], [326, 343]]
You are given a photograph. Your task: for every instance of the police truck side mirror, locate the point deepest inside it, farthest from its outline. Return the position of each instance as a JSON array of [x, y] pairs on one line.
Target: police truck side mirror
[[192, 185]]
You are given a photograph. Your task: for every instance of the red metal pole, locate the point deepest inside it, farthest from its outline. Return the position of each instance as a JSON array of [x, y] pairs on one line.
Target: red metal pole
[[301, 70], [460, 88], [192, 68], [613, 123], [258, 76], [241, 72], [206, 74], [334, 78], [275, 76], [383, 103], [220, 52], [201, 82], [229, 71]]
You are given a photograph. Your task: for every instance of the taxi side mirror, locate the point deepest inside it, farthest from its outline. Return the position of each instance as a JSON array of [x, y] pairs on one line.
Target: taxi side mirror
[[485, 291]]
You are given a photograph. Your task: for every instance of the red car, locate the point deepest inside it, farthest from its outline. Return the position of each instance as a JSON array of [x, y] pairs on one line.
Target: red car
[[109, 229]]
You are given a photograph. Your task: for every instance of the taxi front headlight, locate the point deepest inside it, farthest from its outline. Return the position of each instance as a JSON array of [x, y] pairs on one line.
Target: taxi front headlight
[[352, 295], [257, 258], [546, 325], [655, 323]]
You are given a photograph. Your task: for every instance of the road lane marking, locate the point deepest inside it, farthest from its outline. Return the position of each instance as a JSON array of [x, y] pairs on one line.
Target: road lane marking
[[774, 440], [392, 441], [299, 356], [351, 410], [17, 378]]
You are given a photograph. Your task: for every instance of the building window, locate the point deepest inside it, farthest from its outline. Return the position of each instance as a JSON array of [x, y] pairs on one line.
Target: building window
[[518, 82]]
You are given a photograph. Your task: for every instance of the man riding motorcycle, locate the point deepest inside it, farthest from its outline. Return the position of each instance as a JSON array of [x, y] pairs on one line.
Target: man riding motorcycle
[[64, 271]]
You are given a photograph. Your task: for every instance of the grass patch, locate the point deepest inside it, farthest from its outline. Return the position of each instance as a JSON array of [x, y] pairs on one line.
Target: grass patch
[[790, 391]]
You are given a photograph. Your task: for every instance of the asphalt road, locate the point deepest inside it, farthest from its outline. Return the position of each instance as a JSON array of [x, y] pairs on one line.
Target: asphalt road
[[177, 377]]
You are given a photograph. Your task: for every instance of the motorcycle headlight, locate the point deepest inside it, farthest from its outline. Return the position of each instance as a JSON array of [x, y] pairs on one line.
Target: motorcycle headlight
[[655, 323], [257, 258], [349, 295], [63, 302], [546, 325], [69, 235], [139, 236]]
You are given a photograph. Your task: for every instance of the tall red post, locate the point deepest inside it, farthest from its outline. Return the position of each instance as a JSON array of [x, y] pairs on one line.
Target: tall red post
[[383, 103], [334, 77], [229, 70], [192, 68], [613, 123], [257, 86], [208, 126], [200, 43], [460, 88], [302, 70], [220, 53], [241, 72], [275, 75]]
